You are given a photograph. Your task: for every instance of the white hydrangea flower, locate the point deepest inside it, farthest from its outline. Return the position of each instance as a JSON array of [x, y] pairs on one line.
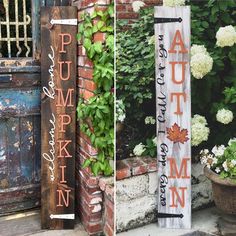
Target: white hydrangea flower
[[120, 111], [201, 64], [225, 166], [198, 49], [203, 160], [136, 5], [199, 130], [150, 120], [139, 149], [204, 152], [200, 133], [155, 141], [231, 141], [233, 162], [224, 116], [199, 119], [217, 170], [173, 3], [226, 36], [214, 161], [218, 150]]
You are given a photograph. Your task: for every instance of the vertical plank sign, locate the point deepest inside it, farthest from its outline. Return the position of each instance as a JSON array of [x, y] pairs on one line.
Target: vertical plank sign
[[58, 105], [173, 96]]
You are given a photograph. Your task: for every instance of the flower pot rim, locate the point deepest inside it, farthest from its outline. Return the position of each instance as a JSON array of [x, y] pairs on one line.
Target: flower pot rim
[[216, 178]]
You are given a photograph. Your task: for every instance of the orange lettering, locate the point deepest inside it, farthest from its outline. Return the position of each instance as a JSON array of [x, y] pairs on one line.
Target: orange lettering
[[61, 69], [178, 95], [64, 120], [173, 63], [64, 42], [63, 102], [63, 175], [62, 197], [178, 41], [174, 173], [61, 148], [176, 197]]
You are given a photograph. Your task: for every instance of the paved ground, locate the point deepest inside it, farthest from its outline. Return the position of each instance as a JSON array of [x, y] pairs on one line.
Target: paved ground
[[28, 223], [205, 222]]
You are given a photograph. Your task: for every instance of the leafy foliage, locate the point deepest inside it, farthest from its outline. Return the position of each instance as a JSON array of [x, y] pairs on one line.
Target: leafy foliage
[[136, 70], [97, 114]]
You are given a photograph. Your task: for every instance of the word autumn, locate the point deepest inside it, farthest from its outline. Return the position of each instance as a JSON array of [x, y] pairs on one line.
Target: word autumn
[[62, 101], [177, 194]]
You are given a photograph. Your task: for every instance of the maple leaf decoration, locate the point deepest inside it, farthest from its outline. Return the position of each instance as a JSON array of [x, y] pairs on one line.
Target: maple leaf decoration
[[176, 135]]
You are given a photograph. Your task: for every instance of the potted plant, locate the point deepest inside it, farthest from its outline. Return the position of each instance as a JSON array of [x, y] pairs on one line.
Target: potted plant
[[220, 168]]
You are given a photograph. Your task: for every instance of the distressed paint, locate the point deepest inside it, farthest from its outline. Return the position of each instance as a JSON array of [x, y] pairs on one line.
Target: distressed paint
[[19, 163], [173, 212], [19, 102]]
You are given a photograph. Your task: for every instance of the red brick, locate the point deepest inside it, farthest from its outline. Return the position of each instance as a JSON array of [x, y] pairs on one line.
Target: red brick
[[81, 51], [151, 163], [84, 61], [87, 3], [103, 2], [129, 15], [91, 209], [110, 192], [88, 221], [90, 182], [137, 166], [99, 37], [94, 228], [109, 212], [87, 147], [108, 230], [80, 14], [80, 83], [85, 94], [90, 85], [82, 156], [86, 73], [101, 8], [91, 199], [104, 181], [122, 170], [120, 7], [84, 136]]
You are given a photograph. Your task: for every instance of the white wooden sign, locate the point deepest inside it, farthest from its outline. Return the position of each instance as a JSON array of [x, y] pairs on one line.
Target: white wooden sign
[[173, 99]]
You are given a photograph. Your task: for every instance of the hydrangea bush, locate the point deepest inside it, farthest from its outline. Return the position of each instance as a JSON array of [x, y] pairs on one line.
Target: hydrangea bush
[[213, 60], [221, 159]]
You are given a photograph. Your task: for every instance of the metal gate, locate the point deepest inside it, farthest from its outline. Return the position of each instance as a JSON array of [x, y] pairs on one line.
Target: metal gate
[[20, 103]]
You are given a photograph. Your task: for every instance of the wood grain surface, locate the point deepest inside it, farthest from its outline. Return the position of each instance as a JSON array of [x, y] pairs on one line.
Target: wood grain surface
[[50, 38], [173, 124]]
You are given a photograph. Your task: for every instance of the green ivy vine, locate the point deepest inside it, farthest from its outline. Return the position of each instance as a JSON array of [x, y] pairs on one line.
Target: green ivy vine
[[96, 115]]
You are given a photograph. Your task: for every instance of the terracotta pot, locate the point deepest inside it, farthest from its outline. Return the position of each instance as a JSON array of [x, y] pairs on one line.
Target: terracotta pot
[[224, 192]]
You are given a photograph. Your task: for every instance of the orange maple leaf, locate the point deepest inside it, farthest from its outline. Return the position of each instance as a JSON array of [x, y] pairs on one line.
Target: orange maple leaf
[[175, 134]]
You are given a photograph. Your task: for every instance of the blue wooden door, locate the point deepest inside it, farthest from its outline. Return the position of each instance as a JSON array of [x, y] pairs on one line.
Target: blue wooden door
[[19, 105]]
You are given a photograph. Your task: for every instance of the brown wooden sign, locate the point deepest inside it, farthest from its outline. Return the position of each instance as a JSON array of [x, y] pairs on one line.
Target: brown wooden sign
[[58, 106], [172, 34]]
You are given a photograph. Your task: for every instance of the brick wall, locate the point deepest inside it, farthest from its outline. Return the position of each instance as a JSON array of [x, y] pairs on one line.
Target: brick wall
[[124, 8], [107, 186], [89, 196], [136, 192]]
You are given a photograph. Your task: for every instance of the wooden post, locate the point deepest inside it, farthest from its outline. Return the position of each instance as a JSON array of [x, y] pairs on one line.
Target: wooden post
[[58, 105], [173, 99]]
